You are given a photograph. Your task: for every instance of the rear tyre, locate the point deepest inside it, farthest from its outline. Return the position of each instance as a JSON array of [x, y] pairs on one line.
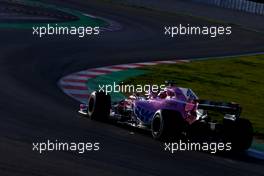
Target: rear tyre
[[239, 133], [198, 131], [167, 124], [99, 105]]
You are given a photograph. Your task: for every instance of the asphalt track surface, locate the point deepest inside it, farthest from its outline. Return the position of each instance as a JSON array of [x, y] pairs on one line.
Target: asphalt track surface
[[33, 109]]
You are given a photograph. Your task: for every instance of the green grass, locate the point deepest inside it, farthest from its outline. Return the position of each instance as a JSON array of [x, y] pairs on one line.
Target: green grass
[[237, 79]]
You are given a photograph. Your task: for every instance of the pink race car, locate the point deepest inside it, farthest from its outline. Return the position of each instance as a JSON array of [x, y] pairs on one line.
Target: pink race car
[[175, 112]]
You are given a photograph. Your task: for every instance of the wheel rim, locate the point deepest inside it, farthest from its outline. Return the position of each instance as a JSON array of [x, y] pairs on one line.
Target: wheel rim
[[156, 125], [91, 105]]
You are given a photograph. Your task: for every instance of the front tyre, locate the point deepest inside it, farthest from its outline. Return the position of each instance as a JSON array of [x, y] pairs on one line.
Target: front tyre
[[99, 105]]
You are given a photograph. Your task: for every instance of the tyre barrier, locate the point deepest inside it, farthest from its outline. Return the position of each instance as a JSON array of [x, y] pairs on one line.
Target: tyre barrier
[[249, 6]]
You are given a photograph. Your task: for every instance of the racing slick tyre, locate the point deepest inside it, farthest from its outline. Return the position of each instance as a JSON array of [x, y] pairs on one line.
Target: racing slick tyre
[[239, 133], [99, 105], [167, 124], [198, 131]]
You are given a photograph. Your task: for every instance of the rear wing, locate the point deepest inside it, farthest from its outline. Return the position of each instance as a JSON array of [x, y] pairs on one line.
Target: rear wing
[[222, 107]]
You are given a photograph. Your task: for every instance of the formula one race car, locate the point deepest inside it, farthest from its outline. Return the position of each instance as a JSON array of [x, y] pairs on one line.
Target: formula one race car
[[174, 112]]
